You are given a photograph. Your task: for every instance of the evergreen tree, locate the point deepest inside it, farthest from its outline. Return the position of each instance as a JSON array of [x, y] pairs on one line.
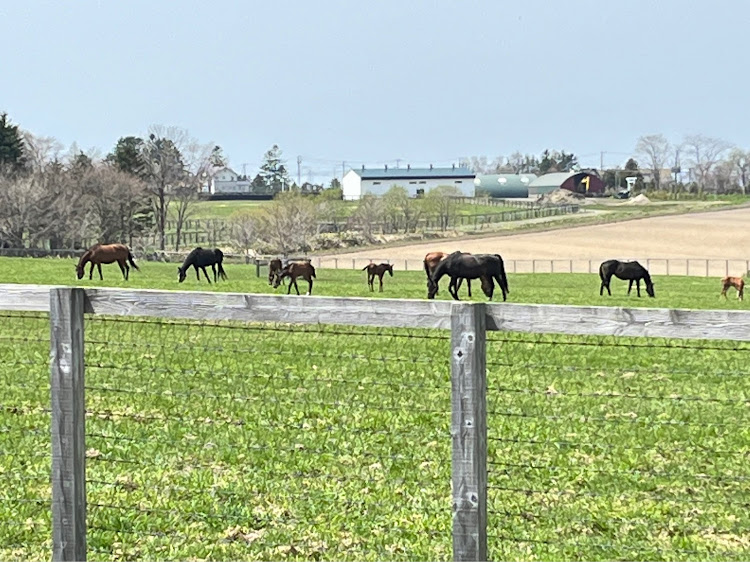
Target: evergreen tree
[[127, 156], [273, 172], [12, 149]]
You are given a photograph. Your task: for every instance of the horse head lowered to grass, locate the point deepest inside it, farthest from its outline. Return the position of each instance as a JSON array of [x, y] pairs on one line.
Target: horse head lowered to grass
[[460, 265], [106, 253], [628, 271]]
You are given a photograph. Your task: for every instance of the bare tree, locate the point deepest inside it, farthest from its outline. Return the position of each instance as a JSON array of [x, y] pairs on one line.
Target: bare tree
[[368, 214], [287, 224], [245, 229], [442, 202], [740, 161], [703, 153], [654, 151], [41, 151], [175, 165]]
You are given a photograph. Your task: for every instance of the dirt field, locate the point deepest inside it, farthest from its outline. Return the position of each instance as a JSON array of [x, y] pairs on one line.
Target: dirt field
[[718, 236]]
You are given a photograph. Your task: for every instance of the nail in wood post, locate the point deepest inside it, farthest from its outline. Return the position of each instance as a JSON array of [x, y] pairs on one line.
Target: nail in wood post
[[469, 431], [68, 417]]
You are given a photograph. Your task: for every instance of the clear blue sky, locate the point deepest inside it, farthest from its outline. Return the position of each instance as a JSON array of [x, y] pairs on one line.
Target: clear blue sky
[[378, 81]]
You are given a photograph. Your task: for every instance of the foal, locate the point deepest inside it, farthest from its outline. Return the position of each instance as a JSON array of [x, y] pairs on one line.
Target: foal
[[293, 270], [379, 270], [736, 282]]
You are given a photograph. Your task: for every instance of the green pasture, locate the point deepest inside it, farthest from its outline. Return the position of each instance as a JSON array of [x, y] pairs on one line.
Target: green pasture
[[227, 441], [539, 288]]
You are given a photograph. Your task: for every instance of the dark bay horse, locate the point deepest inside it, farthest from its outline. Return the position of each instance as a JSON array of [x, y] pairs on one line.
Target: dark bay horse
[[293, 270], [432, 259], [379, 270], [460, 265], [106, 253], [627, 271], [274, 268], [736, 282], [200, 258]]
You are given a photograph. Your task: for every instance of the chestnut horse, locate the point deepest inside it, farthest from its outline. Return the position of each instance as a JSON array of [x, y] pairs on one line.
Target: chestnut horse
[[736, 282], [432, 259], [379, 270], [106, 253], [293, 270]]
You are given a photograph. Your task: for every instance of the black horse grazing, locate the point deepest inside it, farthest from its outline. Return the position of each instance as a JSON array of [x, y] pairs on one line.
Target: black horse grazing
[[459, 265], [627, 271], [379, 270], [200, 258]]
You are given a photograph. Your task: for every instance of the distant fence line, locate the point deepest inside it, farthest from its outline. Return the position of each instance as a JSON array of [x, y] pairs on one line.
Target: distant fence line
[[468, 323], [695, 267]]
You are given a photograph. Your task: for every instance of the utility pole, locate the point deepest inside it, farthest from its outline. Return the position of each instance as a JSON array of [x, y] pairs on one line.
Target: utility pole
[[299, 171], [343, 169], [601, 161]]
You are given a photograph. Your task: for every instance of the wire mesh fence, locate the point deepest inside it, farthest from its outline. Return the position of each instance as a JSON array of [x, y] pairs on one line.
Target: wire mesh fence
[[25, 493], [604, 448], [266, 441]]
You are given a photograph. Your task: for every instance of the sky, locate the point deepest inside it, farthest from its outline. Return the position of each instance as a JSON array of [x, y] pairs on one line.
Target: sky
[[340, 84]]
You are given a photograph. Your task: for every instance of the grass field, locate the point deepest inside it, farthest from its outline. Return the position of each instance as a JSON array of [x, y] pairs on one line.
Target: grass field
[[226, 441]]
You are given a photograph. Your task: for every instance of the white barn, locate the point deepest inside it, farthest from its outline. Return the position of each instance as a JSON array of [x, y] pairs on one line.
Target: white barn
[[417, 181]]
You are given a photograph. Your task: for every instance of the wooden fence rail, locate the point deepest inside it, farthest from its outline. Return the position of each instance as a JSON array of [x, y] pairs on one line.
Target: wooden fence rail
[[468, 323]]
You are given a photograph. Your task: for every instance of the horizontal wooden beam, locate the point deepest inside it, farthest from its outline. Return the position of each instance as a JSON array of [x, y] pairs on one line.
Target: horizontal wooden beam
[[26, 298], [390, 313], [616, 321]]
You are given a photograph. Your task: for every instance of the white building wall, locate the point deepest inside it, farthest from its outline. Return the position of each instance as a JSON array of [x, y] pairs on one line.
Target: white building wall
[[354, 187], [351, 186]]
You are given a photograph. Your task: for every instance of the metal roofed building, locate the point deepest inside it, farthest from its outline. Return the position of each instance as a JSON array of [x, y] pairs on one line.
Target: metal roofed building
[[417, 181], [504, 185]]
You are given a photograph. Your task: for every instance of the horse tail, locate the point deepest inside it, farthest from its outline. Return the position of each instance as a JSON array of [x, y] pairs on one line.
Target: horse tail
[[312, 271], [132, 261], [222, 273], [504, 278]]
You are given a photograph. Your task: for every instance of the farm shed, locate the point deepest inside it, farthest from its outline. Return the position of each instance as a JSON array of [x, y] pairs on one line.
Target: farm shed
[[504, 185], [578, 182], [357, 183]]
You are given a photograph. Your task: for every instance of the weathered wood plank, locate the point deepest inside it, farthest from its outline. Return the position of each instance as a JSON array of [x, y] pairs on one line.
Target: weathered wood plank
[[615, 321], [68, 424], [469, 431], [27, 298], [397, 313]]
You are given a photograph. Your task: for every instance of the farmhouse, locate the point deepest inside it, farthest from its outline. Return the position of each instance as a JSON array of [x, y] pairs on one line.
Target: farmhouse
[[504, 185], [226, 180], [578, 182], [417, 181]]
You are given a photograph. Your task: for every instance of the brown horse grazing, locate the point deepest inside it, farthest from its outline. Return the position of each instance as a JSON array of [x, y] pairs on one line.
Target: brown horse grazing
[[379, 270], [106, 253], [431, 261], [293, 270], [736, 282]]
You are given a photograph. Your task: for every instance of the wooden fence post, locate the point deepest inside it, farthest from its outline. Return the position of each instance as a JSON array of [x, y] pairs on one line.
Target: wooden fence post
[[68, 425], [469, 430]]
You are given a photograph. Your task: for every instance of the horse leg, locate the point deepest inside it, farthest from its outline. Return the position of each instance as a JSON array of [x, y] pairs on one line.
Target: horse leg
[[213, 268], [197, 273], [205, 274], [468, 286], [630, 285], [381, 282], [310, 284], [370, 281], [289, 288], [638, 287], [453, 289], [123, 269], [99, 269], [91, 271], [296, 288]]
